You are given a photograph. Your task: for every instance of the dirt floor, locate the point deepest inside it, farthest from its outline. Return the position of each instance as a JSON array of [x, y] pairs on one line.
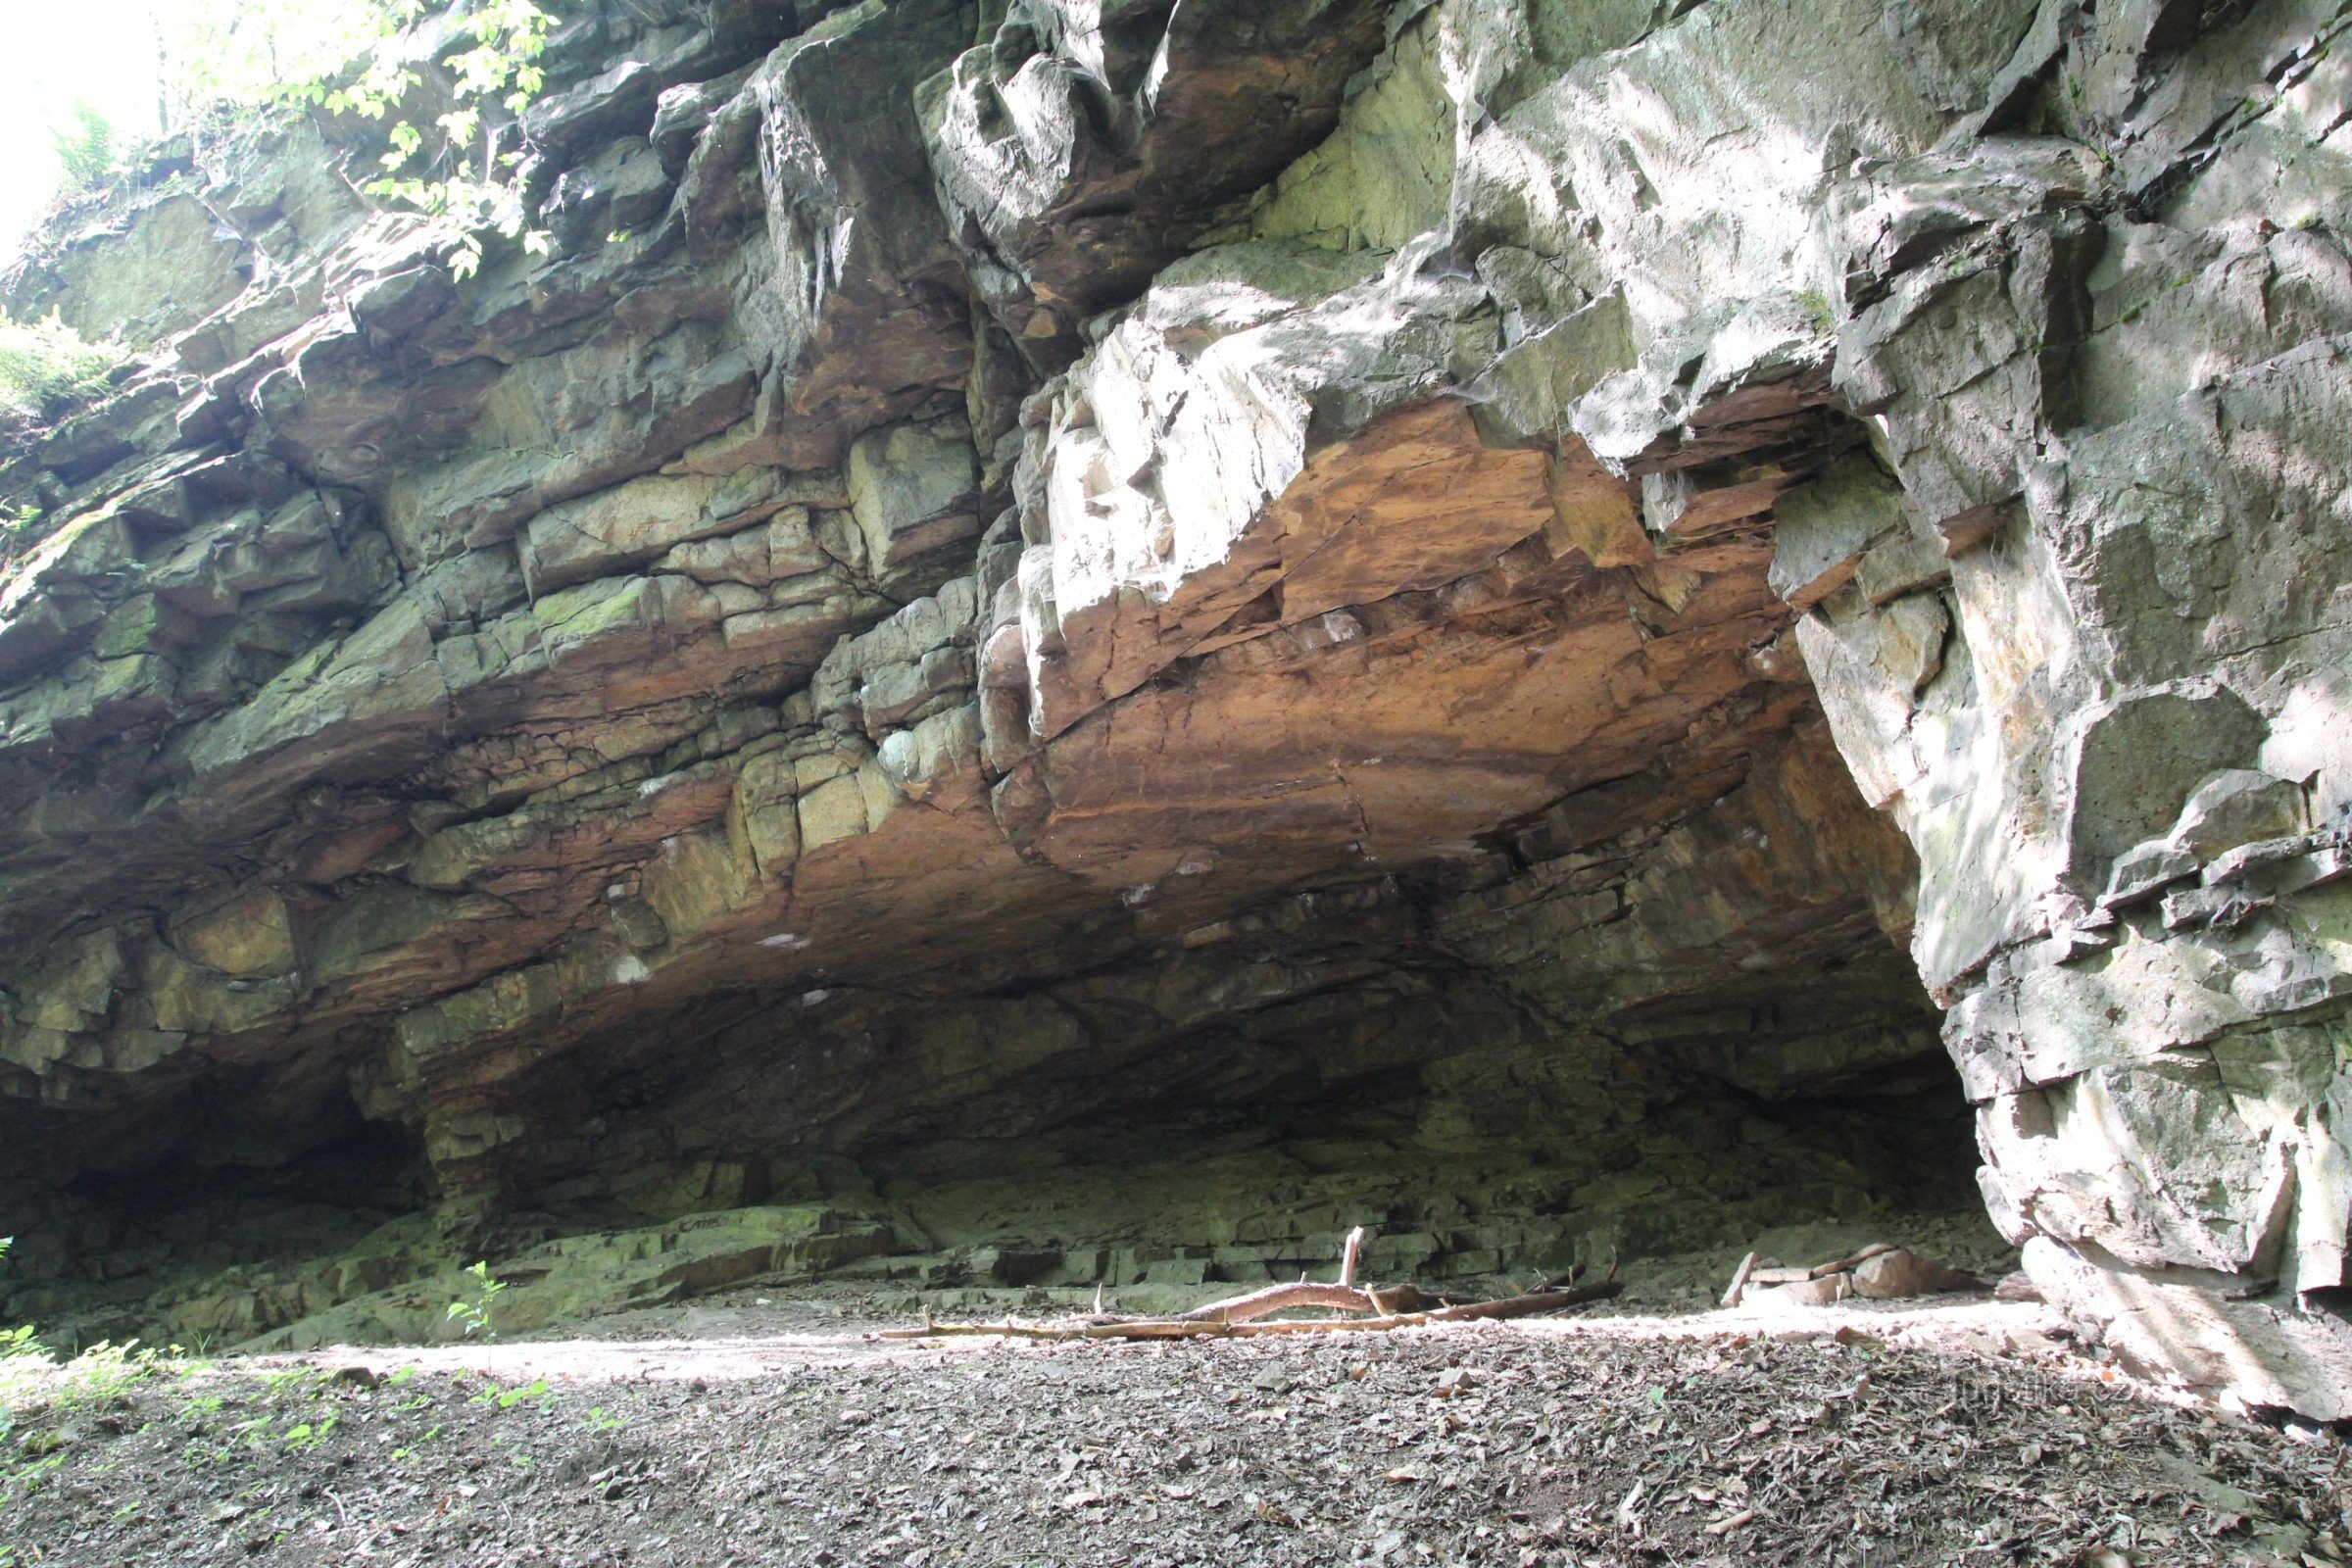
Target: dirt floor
[[764, 1429]]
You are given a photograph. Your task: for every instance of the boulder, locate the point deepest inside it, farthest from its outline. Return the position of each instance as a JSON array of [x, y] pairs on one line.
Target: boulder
[[1891, 1276]]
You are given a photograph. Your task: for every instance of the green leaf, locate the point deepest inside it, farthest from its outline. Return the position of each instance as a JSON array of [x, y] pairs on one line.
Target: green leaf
[[349, 56]]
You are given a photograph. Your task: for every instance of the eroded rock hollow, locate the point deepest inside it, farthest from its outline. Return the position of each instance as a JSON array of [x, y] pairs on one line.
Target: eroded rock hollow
[[1098, 640]]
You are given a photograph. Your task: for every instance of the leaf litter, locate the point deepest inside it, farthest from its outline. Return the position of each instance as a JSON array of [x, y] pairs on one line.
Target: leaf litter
[[782, 1438]]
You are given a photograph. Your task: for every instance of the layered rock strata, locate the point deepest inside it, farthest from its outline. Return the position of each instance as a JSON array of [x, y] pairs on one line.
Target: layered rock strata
[[1106, 628]]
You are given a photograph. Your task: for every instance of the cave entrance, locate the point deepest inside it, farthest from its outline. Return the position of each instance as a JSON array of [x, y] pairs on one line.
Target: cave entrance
[[1644, 1025], [204, 1247], [1474, 1136], [1665, 1014], [1659, 1023]]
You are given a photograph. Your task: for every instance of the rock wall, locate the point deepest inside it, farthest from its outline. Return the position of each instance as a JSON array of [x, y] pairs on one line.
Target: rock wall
[[1157, 627]]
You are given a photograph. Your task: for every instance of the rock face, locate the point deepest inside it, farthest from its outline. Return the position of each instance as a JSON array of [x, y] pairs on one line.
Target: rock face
[[1125, 635]]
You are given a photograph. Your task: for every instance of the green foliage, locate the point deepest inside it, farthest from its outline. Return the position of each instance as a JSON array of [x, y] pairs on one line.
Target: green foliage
[[46, 365], [507, 1398], [426, 1436], [28, 1375], [105, 1370], [20, 1348], [438, 174], [292, 1382], [241, 53], [308, 1434], [476, 1313], [345, 56], [85, 149]]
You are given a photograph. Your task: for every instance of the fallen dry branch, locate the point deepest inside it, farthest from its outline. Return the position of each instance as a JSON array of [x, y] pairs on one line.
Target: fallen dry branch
[[1279, 1299], [1378, 1301], [1195, 1328], [1740, 1279], [1343, 1296], [1847, 1264], [1526, 1305]]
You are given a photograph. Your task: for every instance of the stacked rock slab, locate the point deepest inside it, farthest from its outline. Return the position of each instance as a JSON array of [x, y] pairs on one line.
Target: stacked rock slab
[[1028, 574]]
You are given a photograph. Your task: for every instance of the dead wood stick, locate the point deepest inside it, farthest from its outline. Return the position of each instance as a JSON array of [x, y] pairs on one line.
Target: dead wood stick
[[1355, 1244], [1139, 1329], [1738, 1287], [1526, 1305], [937, 1331], [1509, 1306], [1845, 1265], [1152, 1329], [1560, 1282], [1390, 1299], [1280, 1298]]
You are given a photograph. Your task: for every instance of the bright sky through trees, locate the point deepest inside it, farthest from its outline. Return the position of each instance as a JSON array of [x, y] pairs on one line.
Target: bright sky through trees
[[52, 52]]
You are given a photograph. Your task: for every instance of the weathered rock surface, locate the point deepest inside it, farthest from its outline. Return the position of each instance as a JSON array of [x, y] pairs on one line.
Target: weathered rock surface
[[1112, 639]]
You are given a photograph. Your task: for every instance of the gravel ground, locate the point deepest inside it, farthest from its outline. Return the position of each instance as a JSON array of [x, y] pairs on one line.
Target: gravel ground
[[769, 1432]]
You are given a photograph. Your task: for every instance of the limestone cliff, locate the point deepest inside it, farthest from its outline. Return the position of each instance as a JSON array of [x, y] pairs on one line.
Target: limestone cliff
[[1137, 632]]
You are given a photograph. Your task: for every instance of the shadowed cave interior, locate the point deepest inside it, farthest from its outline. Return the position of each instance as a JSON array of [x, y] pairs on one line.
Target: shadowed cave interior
[[1399, 1054]]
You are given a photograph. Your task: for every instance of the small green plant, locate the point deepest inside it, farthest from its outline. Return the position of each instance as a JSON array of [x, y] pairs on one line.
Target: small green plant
[[426, 1436], [23, 1361], [42, 1454], [601, 1423], [476, 1314], [46, 365], [105, 1370], [348, 56], [507, 1398], [461, 176], [85, 148], [307, 1433], [294, 1381], [1817, 306], [16, 521]]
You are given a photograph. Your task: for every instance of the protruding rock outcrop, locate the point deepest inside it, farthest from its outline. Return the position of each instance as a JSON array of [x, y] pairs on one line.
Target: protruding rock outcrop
[[1130, 634]]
